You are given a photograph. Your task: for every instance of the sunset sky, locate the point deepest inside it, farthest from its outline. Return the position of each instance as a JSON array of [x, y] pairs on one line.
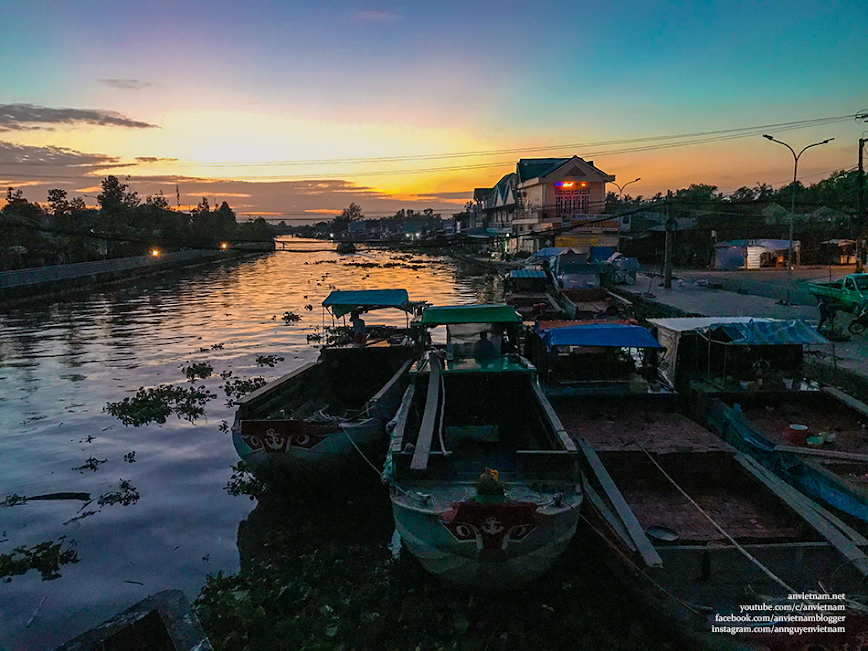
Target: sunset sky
[[269, 105]]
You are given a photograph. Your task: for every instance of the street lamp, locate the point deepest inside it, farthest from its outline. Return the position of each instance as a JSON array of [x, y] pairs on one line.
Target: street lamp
[[793, 204], [621, 187]]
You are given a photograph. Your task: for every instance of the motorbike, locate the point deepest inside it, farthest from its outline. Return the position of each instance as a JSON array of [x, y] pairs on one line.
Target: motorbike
[[860, 323]]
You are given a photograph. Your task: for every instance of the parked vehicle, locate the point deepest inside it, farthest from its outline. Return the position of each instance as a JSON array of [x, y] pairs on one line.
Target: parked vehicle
[[850, 293], [857, 326], [316, 418], [346, 247], [484, 482]]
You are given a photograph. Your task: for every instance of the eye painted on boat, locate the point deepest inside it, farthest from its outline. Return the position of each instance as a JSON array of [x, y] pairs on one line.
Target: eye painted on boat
[[464, 532], [521, 531], [301, 439]]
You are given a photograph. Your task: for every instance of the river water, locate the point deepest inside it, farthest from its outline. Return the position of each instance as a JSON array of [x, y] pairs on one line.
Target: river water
[[60, 362]]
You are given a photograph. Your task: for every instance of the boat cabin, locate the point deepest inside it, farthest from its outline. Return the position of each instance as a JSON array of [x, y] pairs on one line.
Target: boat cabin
[[735, 354], [595, 357]]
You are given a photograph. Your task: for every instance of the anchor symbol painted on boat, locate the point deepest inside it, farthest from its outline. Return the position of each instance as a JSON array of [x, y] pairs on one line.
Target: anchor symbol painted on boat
[[491, 526]]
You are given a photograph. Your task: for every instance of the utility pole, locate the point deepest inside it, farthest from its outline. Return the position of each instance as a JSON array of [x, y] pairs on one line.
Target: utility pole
[[670, 236], [861, 220]]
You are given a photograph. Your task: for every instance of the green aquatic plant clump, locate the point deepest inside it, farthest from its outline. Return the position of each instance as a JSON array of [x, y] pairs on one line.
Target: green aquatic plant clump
[[198, 371], [240, 387], [156, 404], [46, 558], [268, 360]]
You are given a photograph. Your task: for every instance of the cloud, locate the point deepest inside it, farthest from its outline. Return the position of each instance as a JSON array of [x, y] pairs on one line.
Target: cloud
[[49, 156], [126, 84], [28, 117], [377, 16], [40, 168], [153, 159]]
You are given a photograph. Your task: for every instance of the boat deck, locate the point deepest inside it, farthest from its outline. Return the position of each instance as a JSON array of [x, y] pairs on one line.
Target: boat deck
[[657, 431], [745, 514], [820, 414]]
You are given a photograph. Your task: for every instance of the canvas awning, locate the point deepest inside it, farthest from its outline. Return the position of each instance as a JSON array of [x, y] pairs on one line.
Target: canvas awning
[[527, 273], [454, 314], [608, 335], [771, 333], [341, 302]]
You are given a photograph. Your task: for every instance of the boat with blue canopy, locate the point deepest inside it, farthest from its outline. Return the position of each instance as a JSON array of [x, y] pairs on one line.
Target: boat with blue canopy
[[604, 357], [318, 417], [529, 291], [484, 482]]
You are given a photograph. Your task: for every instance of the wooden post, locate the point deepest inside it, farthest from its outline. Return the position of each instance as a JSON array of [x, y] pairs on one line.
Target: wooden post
[[670, 236]]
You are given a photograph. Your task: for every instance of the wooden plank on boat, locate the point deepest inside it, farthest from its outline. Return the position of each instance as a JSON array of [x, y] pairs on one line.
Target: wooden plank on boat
[[625, 513], [397, 442], [809, 511], [560, 432], [611, 519], [392, 381], [847, 399], [816, 452], [429, 419]]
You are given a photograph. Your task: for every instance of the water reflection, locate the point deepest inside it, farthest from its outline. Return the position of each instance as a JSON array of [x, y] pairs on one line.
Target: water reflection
[[61, 362]]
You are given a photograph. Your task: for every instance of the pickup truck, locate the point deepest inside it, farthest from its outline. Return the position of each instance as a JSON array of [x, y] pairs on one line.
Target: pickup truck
[[850, 293]]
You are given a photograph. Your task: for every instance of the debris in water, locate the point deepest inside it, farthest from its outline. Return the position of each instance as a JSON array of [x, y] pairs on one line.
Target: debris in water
[[91, 464], [130, 457], [157, 404], [198, 371]]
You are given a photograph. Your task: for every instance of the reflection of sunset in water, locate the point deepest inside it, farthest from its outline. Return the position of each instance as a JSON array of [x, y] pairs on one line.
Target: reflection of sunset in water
[[61, 362]]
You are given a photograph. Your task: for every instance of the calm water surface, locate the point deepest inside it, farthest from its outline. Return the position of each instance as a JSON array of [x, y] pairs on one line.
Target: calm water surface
[[61, 362]]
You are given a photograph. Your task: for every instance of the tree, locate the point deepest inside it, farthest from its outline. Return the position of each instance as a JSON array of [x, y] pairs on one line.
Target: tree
[[353, 213], [58, 203], [116, 197]]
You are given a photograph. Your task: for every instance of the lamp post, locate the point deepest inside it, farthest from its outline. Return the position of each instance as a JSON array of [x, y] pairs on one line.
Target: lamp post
[[621, 187], [793, 204]]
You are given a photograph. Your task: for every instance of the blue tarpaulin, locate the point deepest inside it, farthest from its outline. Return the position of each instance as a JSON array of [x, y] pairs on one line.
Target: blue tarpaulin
[[546, 253], [343, 302], [610, 335], [771, 333], [527, 273]]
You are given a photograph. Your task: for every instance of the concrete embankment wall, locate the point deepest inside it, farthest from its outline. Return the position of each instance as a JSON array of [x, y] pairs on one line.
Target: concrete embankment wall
[[24, 284]]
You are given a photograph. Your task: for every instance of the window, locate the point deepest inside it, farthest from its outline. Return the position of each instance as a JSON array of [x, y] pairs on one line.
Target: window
[[571, 202]]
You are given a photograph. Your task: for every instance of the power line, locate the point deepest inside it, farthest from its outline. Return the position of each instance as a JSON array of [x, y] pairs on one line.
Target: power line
[[686, 140]]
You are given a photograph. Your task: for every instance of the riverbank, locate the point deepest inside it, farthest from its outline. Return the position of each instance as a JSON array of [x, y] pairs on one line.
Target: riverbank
[[55, 281]]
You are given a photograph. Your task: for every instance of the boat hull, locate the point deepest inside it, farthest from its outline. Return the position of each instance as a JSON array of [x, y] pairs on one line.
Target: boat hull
[[489, 546]]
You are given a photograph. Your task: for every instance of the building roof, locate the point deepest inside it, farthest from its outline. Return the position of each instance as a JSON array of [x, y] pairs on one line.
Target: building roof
[[531, 168]]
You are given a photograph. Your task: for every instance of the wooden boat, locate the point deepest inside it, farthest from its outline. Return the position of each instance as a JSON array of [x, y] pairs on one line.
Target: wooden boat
[[320, 416], [744, 397], [346, 247], [460, 420], [703, 534], [527, 291], [594, 357]]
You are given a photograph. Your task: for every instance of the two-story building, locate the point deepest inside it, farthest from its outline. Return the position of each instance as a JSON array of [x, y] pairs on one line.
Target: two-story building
[[567, 196]]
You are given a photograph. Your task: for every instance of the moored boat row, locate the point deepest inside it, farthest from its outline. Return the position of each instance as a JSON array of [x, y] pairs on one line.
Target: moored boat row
[[495, 457]]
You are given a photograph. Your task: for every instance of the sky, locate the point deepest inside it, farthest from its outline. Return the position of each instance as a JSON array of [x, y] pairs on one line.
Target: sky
[[293, 110]]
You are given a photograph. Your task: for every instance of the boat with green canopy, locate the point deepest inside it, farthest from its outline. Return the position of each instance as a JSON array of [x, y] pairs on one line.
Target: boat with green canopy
[[484, 481], [318, 417]]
